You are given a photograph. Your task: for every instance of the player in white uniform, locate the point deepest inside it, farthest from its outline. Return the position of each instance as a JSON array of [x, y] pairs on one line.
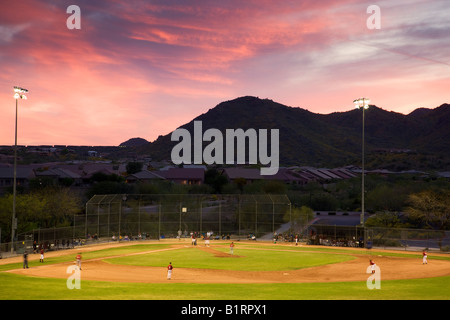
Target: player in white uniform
[[424, 257], [169, 271], [372, 266]]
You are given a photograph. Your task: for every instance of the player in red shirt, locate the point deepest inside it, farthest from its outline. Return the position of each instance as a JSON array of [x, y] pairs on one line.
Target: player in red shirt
[[169, 271], [372, 265], [424, 257], [78, 259], [231, 247]]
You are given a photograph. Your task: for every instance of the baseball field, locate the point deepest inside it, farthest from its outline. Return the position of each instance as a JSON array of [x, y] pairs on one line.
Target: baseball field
[[256, 270]]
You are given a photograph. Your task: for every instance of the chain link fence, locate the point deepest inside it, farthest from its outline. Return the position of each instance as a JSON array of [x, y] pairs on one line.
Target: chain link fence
[[122, 217], [385, 238], [162, 216]]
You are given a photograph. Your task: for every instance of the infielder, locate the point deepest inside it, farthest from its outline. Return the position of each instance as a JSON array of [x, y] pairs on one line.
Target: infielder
[[424, 257], [231, 247], [372, 265], [78, 260], [207, 240], [169, 271]]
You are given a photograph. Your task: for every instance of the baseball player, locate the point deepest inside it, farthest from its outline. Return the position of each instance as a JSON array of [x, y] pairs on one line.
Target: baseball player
[[372, 265], [231, 247], [42, 255], [169, 271], [424, 257], [78, 260]]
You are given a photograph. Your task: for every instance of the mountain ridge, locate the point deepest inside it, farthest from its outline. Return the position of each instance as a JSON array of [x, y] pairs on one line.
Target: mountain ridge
[[308, 138]]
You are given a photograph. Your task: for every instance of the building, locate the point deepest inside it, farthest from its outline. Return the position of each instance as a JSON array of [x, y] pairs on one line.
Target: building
[[23, 176], [144, 176], [250, 175], [184, 175]]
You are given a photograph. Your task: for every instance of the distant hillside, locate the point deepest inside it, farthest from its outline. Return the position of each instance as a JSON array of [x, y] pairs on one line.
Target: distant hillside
[[134, 142], [329, 140]]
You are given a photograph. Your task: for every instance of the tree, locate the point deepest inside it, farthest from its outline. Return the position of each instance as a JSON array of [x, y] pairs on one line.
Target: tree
[[274, 187], [240, 182], [385, 198], [134, 167], [299, 217], [216, 180], [384, 219], [430, 208], [45, 208], [30, 213], [60, 206]]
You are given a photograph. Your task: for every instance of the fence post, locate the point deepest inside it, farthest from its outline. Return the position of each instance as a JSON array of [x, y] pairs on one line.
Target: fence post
[[109, 219], [239, 217], [256, 220], [98, 219], [120, 216], [159, 221], [86, 223], [201, 216], [220, 219]]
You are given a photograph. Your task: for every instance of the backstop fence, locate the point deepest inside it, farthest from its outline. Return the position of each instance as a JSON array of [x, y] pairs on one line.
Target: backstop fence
[[159, 216], [155, 216]]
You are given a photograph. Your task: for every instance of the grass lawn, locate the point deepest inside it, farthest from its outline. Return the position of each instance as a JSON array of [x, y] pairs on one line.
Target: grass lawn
[[18, 287]]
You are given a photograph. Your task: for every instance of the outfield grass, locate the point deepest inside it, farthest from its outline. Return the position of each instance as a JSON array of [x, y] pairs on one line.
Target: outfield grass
[[17, 287]]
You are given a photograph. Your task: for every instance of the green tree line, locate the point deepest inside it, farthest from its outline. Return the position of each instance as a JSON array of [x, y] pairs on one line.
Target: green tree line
[[392, 201]]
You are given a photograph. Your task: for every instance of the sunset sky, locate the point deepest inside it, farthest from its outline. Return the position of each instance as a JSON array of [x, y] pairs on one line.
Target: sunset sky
[[143, 68]]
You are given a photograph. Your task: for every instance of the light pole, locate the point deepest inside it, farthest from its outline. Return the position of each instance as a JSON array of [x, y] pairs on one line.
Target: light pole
[[18, 94], [362, 103], [182, 210]]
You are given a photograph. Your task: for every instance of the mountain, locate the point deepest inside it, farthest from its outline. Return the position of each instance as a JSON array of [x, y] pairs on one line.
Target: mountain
[[335, 139], [134, 142]]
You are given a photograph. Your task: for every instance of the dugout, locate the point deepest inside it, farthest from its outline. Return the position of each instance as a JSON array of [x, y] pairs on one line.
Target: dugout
[[334, 235]]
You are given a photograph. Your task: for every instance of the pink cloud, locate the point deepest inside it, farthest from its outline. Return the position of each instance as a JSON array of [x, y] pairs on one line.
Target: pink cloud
[[143, 69]]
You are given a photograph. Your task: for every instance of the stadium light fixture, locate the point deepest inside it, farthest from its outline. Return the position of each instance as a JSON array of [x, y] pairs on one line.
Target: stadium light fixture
[[363, 104], [18, 94]]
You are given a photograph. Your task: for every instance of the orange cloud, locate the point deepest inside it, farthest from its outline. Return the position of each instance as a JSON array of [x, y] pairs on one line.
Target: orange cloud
[[143, 69]]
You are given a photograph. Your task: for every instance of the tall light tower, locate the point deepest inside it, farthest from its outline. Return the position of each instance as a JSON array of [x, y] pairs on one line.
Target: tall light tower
[[18, 94], [362, 103]]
